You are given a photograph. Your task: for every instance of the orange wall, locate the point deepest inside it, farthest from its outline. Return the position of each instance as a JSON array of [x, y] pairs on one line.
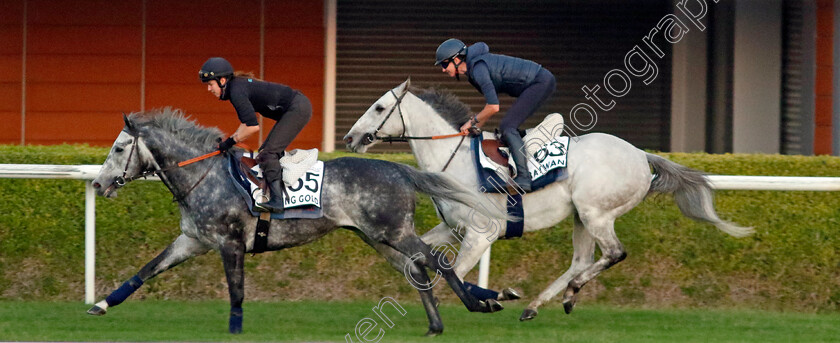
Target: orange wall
[[11, 45], [84, 62]]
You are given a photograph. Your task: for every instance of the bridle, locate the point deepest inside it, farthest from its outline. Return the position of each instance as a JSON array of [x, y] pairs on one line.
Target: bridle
[[369, 138], [120, 181]]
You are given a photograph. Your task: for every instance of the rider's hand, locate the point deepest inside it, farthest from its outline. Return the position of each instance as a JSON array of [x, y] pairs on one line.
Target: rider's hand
[[226, 144], [471, 126]]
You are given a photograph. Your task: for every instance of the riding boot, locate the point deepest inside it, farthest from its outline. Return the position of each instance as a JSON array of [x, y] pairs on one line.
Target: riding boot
[[275, 191], [517, 150]]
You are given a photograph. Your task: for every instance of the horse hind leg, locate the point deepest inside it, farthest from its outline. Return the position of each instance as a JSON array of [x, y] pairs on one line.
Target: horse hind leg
[[612, 252], [182, 249], [584, 246], [415, 272]]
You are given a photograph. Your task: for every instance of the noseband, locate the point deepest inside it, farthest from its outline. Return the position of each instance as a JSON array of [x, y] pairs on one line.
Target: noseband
[[369, 138]]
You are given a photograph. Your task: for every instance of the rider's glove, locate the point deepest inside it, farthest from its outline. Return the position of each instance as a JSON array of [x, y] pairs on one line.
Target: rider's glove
[[226, 144]]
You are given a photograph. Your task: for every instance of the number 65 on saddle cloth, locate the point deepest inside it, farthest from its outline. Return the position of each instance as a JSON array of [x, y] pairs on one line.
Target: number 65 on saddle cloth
[[303, 177]]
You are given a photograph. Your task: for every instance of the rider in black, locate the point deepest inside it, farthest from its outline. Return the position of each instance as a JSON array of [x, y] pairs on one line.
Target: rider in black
[[490, 74], [289, 107]]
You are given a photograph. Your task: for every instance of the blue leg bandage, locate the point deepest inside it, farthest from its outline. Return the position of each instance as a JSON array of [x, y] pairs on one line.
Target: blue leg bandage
[[235, 324], [481, 293], [128, 287]]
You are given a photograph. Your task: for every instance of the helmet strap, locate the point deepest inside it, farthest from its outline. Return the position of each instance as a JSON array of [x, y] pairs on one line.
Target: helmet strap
[[457, 65]]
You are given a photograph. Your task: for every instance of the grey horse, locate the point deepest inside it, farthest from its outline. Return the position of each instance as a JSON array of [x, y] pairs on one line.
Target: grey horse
[[373, 198]]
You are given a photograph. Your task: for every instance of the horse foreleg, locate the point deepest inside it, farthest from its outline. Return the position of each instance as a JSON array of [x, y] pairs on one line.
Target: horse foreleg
[[583, 257], [422, 253], [233, 259], [182, 249], [443, 234], [440, 234], [612, 252]]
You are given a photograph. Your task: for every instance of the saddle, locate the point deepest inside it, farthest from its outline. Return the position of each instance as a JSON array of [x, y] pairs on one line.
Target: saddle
[[545, 148]]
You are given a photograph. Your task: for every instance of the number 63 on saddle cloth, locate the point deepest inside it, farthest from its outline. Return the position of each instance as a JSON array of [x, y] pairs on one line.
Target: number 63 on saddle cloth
[[546, 149]]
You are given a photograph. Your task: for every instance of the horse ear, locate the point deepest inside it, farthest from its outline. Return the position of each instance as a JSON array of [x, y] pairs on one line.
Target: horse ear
[[128, 125], [403, 88]]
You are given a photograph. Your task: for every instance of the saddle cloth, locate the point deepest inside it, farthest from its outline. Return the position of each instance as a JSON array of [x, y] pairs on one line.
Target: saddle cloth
[[303, 193], [546, 155]]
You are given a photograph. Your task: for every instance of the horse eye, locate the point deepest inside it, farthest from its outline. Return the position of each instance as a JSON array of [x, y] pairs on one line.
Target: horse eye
[[379, 108], [118, 149]]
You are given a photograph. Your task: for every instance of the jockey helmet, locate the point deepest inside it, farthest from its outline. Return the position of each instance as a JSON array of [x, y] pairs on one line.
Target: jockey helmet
[[448, 49], [214, 69]]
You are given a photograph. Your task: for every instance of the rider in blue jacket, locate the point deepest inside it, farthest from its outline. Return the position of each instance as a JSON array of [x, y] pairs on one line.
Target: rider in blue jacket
[[491, 74]]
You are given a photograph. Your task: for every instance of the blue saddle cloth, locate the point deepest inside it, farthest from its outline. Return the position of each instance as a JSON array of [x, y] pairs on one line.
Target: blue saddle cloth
[[243, 186], [490, 182]]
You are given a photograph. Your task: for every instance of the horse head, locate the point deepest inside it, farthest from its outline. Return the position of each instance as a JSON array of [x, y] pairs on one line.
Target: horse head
[[382, 119], [128, 158]]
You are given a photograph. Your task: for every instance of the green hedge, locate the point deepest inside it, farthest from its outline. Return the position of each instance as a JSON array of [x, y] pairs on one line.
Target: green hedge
[[792, 261]]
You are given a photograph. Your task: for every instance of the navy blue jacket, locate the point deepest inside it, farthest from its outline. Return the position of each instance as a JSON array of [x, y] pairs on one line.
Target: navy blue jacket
[[493, 73], [249, 96]]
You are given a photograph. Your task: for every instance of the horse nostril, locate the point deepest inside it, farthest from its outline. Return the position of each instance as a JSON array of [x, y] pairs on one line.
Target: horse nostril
[[97, 185], [348, 139]]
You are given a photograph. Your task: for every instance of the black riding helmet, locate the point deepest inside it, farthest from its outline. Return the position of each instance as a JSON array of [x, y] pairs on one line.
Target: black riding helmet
[[448, 49], [214, 69]]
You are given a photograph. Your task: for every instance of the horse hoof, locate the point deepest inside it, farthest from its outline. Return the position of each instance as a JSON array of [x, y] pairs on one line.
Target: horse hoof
[[510, 294], [528, 314], [96, 311], [569, 305], [493, 306], [434, 332]]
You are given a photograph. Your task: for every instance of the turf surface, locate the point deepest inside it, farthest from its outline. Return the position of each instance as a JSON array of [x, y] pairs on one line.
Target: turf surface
[[331, 321]]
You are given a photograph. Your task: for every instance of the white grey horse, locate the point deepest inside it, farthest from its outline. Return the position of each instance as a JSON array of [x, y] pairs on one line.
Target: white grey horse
[[607, 177]]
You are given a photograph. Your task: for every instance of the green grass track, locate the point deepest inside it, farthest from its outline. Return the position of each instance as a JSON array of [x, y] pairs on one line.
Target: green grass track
[[329, 322]]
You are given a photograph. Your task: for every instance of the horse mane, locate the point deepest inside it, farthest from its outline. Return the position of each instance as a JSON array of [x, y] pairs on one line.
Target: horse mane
[[176, 122], [447, 104]]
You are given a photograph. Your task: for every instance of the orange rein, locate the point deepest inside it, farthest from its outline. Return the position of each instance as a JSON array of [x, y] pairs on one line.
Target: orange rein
[[462, 133], [206, 156]]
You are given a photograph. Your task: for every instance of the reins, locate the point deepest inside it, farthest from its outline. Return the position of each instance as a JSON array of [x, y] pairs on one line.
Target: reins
[[369, 138]]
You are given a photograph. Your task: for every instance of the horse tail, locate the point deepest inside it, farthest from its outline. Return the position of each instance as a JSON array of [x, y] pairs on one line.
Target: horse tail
[[692, 193], [441, 186]]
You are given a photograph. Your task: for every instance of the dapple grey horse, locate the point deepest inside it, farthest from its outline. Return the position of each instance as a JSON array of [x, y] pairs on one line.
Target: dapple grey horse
[[607, 177], [373, 198]]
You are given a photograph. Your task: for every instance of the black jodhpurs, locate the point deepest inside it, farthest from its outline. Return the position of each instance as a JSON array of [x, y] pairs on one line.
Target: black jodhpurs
[[284, 131], [529, 101]]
